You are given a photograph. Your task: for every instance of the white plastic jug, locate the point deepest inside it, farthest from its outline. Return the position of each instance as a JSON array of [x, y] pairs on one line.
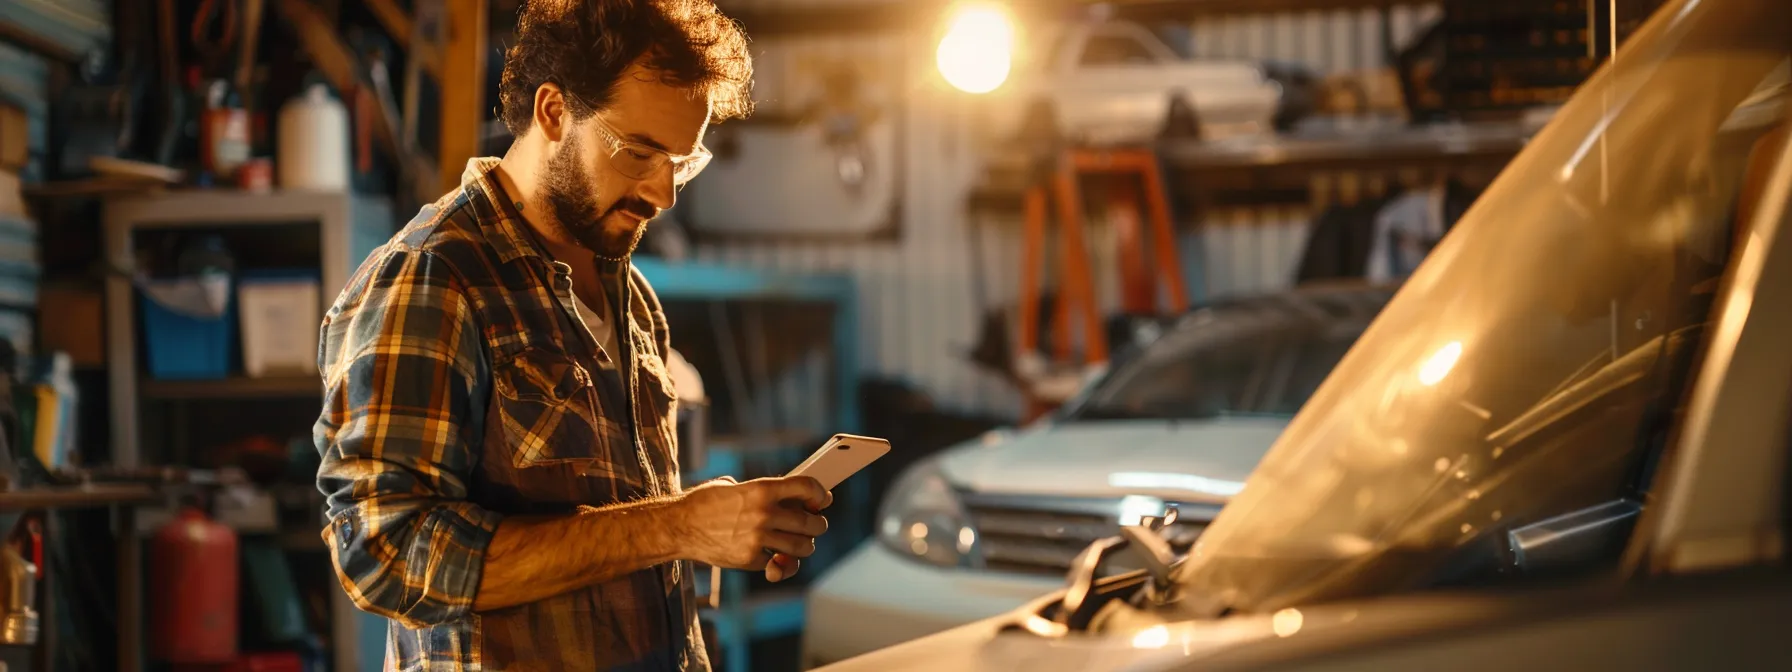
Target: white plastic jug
[[314, 141]]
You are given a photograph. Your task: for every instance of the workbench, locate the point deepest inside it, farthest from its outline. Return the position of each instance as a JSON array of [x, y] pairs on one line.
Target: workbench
[[122, 499]]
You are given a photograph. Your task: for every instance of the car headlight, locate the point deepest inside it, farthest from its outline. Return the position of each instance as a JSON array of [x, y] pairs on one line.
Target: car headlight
[[922, 518]]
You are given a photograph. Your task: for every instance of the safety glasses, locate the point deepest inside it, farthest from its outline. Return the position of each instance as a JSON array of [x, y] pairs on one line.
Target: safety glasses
[[637, 161]]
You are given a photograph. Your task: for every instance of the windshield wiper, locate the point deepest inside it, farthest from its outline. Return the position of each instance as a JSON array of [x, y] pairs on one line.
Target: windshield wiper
[[1111, 413], [1146, 541]]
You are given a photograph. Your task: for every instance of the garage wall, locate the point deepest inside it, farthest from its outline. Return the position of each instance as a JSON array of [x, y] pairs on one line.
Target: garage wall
[[919, 313]]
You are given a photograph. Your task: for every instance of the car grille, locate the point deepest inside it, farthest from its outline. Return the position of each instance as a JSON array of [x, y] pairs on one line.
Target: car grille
[[1042, 536]]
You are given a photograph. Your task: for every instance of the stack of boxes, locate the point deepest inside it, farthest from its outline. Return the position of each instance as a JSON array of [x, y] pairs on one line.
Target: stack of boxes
[[23, 79], [1514, 55]]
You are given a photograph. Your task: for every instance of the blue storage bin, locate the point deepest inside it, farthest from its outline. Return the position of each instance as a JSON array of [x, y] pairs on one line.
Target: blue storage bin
[[183, 347]]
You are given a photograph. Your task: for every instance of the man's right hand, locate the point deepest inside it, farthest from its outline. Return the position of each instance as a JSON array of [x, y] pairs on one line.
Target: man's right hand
[[733, 524]]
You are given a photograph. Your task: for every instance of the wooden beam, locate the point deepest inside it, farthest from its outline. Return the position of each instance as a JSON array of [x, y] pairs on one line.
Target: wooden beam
[[462, 86], [250, 37], [393, 18], [399, 25]]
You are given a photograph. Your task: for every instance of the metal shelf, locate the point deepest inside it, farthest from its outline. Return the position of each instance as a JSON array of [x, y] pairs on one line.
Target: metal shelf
[[1343, 145], [746, 615], [275, 387], [1322, 146], [820, 17], [349, 227], [55, 29], [91, 496], [699, 280]]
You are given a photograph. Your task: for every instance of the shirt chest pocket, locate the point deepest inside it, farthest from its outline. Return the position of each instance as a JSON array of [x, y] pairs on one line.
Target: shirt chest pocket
[[546, 409], [657, 411]]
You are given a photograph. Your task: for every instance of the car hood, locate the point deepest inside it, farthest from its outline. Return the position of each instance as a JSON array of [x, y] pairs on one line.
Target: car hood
[[993, 644], [1189, 460], [1004, 643]]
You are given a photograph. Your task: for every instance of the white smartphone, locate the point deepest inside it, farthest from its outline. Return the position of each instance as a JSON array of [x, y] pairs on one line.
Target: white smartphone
[[840, 458]]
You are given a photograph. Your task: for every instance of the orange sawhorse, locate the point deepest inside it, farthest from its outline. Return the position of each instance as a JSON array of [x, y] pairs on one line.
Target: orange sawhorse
[[1076, 292]]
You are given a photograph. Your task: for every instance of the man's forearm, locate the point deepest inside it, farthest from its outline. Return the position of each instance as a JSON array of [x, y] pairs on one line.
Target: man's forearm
[[532, 558]]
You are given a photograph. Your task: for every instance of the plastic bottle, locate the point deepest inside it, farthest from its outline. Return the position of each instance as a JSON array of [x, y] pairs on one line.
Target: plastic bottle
[[62, 380], [313, 142]]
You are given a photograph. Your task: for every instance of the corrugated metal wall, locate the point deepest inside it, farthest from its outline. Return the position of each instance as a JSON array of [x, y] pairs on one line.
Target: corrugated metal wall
[[919, 314]]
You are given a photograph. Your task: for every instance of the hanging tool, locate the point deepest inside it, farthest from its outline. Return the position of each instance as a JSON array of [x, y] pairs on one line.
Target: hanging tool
[[174, 102], [213, 31], [245, 63]]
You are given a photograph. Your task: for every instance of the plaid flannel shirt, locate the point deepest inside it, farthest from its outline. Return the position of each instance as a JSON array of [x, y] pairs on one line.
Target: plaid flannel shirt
[[461, 387]]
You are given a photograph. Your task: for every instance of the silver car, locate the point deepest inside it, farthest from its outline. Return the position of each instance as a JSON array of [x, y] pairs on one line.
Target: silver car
[[1563, 445], [987, 526]]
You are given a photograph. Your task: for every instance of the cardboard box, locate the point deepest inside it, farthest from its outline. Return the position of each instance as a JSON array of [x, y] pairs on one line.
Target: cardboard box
[[12, 195], [73, 320], [15, 138]]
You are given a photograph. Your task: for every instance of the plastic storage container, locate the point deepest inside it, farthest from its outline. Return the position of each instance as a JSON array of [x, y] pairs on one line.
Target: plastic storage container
[[280, 314], [183, 346], [313, 146]]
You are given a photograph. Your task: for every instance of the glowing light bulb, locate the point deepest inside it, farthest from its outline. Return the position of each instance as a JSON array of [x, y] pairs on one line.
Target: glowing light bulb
[[977, 51]]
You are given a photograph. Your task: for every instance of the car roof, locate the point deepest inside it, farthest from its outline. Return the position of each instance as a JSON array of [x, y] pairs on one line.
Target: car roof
[[1322, 303], [1348, 305]]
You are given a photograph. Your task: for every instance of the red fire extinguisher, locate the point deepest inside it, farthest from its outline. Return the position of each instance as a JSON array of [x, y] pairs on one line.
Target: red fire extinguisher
[[193, 591]]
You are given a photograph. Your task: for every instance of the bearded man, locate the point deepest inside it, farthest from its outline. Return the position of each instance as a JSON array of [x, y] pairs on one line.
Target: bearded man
[[497, 433]]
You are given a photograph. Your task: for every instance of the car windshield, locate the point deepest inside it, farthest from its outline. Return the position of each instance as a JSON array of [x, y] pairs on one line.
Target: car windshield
[[1532, 364], [1257, 356]]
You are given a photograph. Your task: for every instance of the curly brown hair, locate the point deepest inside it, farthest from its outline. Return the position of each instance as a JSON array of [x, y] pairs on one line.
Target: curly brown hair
[[583, 46]]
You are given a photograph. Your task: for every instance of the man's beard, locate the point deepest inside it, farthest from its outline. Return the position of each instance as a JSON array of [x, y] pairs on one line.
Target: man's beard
[[566, 187]]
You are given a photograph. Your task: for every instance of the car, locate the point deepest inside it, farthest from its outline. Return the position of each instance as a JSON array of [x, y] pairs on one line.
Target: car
[[1563, 445], [981, 528], [1116, 82]]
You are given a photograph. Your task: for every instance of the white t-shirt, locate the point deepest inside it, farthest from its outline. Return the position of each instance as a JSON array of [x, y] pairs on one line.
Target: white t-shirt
[[603, 330]]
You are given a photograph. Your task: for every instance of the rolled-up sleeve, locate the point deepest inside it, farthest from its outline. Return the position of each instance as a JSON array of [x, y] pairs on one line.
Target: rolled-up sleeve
[[402, 365]]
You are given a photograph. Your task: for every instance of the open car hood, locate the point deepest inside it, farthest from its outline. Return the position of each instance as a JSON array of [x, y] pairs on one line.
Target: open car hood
[[989, 645], [993, 644]]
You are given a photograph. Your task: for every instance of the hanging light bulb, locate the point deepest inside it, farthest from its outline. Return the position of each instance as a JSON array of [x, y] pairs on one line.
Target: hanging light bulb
[[977, 51]]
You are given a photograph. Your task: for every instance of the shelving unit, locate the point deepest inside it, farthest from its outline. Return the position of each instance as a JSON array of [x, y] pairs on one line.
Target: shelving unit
[[348, 228], [1366, 147], [60, 30], [744, 615], [123, 499], [1330, 147], [279, 387]]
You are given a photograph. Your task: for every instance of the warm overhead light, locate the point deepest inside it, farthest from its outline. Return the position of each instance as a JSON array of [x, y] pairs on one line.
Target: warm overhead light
[[978, 49]]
